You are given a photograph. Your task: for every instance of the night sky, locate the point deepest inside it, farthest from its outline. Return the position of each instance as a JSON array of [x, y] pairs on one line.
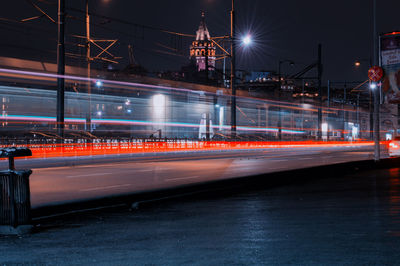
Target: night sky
[[286, 29]]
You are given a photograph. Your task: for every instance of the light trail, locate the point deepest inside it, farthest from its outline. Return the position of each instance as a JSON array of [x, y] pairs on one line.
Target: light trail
[[95, 149], [139, 122], [30, 74]]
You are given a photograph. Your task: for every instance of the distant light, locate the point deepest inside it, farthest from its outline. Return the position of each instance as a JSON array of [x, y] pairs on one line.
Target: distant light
[[357, 64], [247, 40], [99, 113], [99, 83], [306, 106], [324, 127], [354, 131], [129, 111], [372, 85], [217, 105], [159, 100], [127, 102]]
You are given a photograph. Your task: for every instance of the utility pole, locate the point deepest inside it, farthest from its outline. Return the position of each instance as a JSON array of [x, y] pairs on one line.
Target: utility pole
[[329, 106], [371, 115], [377, 90], [279, 104], [344, 109], [233, 70], [61, 68], [88, 59], [319, 68]]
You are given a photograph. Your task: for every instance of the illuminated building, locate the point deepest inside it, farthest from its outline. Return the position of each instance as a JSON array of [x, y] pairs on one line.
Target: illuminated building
[[203, 49]]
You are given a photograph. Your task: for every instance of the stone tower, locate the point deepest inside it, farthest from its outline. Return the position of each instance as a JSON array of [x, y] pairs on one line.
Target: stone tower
[[203, 49]]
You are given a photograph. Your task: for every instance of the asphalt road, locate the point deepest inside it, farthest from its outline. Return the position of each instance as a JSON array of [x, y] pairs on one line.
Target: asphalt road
[[65, 180]]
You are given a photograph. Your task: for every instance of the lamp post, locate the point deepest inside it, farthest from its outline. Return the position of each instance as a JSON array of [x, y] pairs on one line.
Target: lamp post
[[60, 68], [88, 58], [279, 95], [377, 89], [246, 41], [233, 70]]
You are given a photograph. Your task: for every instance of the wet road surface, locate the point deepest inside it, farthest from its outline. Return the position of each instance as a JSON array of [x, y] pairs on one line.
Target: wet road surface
[[343, 220]]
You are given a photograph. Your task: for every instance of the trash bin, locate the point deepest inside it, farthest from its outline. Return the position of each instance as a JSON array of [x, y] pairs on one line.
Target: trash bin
[[15, 201]]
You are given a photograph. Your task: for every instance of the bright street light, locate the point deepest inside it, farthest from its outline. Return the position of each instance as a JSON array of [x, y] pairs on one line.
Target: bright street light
[[372, 85], [99, 83], [247, 40]]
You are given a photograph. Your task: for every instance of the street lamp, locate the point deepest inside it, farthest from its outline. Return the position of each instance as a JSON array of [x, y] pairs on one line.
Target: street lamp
[[358, 62], [99, 83], [233, 70], [377, 149], [247, 40], [61, 68], [89, 87]]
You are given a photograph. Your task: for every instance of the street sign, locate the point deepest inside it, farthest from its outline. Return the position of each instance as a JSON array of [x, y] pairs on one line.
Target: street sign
[[375, 73]]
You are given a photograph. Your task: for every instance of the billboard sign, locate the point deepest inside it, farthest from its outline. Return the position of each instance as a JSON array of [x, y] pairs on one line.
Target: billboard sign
[[390, 62]]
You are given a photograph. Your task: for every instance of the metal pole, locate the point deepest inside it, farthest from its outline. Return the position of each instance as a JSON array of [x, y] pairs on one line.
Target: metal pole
[[60, 68], [233, 70], [377, 89], [375, 35], [279, 104], [371, 117], [329, 106], [224, 72], [358, 115], [377, 152], [319, 91], [344, 109], [88, 115], [329, 93], [208, 126], [302, 101]]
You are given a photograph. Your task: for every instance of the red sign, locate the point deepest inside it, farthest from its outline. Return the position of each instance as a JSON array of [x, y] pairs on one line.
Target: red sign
[[375, 73]]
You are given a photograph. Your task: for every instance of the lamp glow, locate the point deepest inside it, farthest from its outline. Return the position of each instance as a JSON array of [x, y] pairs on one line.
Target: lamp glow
[[159, 100], [247, 40], [99, 83]]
